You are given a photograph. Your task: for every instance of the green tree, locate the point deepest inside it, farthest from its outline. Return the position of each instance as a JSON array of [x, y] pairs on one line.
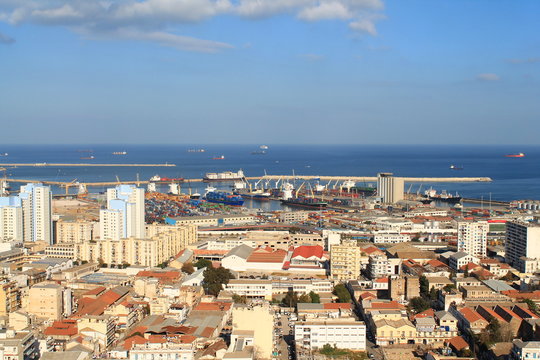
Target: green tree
[[424, 287], [419, 304], [290, 299], [433, 294], [449, 287], [532, 305], [315, 298], [494, 330], [342, 293], [239, 299], [304, 298], [188, 268], [215, 278], [202, 263]]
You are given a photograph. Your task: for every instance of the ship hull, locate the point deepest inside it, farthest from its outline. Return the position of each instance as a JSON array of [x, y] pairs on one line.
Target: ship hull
[[304, 204], [450, 200], [226, 202], [205, 179]]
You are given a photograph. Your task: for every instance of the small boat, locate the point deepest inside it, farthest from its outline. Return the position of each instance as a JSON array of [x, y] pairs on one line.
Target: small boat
[[4, 154], [91, 157], [196, 150], [222, 157], [263, 147], [258, 152], [454, 167], [518, 155], [120, 153]]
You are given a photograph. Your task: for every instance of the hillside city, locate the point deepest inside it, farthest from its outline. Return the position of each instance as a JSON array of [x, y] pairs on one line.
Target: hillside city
[[142, 275]]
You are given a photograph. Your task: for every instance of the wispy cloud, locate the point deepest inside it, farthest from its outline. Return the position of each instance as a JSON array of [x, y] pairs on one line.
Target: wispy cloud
[[532, 60], [4, 39], [487, 77], [156, 20]]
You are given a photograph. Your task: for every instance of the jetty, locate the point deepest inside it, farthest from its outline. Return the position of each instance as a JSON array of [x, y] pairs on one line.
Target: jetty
[[42, 164]]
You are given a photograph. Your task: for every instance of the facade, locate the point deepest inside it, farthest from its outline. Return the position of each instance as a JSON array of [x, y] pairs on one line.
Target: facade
[[9, 297], [27, 216], [145, 252], [522, 240], [45, 301], [382, 266], [243, 320], [472, 237], [389, 188], [75, 231], [11, 219], [345, 262], [124, 216], [522, 350], [314, 335]]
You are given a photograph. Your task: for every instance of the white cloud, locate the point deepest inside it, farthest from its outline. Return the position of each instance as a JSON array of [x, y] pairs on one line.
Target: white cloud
[[156, 20], [488, 77], [325, 11]]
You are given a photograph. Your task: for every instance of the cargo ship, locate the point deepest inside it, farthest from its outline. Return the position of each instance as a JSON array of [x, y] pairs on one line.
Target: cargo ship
[[257, 194], [222, 157], [120, 153], [431, 195], [196, 150], [159, 179], [258, 152], [224, 176], [91, 157], [222, 197], [305, 202], [519, 155]]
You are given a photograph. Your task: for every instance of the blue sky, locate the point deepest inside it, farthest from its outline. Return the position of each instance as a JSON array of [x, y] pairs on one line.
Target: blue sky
[[270, 71]]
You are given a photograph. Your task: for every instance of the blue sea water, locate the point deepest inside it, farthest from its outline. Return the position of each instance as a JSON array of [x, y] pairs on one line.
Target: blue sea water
[[513, 178]]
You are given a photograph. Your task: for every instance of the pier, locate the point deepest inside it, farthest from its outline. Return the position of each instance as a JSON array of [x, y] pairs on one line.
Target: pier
[[372, 178], [43, 164]]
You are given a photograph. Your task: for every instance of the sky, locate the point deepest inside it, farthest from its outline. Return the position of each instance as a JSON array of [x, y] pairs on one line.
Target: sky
[[270, 71]]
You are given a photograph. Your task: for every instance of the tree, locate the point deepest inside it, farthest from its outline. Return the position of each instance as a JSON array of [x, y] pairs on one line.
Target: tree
[[424, 286], [433, 294], [494, 330], [215, 278], [315, 298], [188, 268], [419, 304], [304, 298], [449, 287], [532, 305], [290, 299], [239, 299], [342, 293], [203, 263]]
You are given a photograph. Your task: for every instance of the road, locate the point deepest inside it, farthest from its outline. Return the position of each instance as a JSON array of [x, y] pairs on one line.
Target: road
[[283, 339]]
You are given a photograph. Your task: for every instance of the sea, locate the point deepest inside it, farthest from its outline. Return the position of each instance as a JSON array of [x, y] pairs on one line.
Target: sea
[[513, 178]]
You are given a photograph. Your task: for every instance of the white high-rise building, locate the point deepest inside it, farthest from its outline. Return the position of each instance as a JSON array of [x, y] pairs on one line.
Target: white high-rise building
[[472, 237], [11, 219], [522, 245], [27, 216], [124, 216], [389, 188], [37, 209]]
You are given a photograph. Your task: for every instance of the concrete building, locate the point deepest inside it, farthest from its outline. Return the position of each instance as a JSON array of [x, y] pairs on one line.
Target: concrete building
[[472, 237], [345, 262], [243, 320], [523, 350], [46, 301], [383, 266], [11, 219], [18, 345], [9, 297], [27, 216], [134, 251], [124, 216], [522, 239], [36, 204], [404, 287], [344, 334], [389, 188], [75, 231]]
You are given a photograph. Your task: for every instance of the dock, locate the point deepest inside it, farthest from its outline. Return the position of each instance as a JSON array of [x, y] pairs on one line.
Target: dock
[[372, 178], [82, 165]]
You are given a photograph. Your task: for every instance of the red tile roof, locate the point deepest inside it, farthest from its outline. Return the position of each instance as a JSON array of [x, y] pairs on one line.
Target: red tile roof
[[336, 306], [458, 343], [276, 256], [386, 305], [95, 291], [306, 251], [62, 328], [470, 314], [213, 306], [423, 314]]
